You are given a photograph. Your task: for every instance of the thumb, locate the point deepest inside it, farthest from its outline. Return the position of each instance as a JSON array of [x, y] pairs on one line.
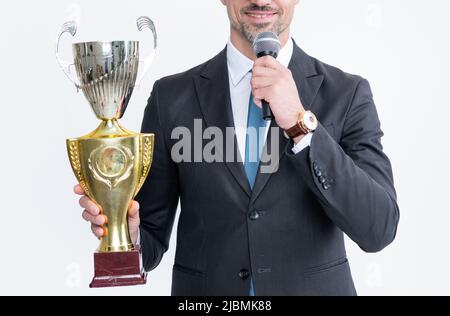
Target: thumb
[[133, 214], [134, 221]]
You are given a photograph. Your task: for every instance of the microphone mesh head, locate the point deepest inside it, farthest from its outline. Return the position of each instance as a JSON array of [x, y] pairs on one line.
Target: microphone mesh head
[[266, 42]]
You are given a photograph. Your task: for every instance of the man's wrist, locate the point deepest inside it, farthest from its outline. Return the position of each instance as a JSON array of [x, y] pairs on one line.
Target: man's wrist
[[293, 118], [306, 123]]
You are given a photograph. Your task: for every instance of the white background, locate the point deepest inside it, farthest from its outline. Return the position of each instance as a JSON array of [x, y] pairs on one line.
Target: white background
[[401, 46]]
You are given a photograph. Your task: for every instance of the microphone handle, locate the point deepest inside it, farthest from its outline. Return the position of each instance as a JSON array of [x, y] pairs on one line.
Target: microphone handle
[[266, 111]]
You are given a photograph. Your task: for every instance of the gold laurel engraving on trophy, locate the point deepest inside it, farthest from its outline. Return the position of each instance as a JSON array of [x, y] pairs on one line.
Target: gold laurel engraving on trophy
[[74, 158], [111, 164], [147, 158]]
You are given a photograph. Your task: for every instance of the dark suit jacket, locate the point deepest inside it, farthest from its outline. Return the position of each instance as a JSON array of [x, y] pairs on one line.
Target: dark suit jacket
[[288, 231]]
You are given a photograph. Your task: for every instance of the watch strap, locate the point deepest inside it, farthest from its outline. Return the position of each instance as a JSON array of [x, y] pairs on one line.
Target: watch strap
[[296, 131]]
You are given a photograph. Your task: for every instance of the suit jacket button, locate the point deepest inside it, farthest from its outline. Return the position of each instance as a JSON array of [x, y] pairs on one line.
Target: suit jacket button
[[322, 180], [254, 215], [318, 173], [326, 186], [315, 165], [244, 274]]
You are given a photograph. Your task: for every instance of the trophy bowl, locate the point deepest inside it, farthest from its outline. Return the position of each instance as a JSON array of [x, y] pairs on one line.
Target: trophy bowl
[[107, 72]]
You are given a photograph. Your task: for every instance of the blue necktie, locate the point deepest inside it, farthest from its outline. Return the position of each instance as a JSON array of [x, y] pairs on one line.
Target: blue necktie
[[254, 141], [253, 150]]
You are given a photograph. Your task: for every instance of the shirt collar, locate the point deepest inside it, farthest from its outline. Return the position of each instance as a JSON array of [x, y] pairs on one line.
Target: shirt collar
[[239, 65]]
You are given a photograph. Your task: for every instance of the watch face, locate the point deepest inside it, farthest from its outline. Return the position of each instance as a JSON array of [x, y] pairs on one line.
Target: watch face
[[310, 121]]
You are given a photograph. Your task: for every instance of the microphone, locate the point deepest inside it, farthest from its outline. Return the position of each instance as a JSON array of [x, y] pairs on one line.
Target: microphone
[[266, 44]]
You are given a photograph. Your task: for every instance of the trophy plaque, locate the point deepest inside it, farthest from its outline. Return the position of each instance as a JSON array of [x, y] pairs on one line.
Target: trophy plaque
[[111, 163]]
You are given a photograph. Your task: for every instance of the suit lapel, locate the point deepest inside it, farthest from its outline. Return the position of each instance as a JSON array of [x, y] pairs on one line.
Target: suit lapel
[[213, 92], [308, 84]]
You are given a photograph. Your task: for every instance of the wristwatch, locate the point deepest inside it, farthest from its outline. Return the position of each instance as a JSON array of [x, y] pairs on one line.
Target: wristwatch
[[307, 123]]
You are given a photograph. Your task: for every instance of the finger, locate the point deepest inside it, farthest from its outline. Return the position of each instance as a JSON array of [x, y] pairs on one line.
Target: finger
[[133, 211], [259, 71], [258, 102], [261, 94], [268, 62], [86, 216], [261, 82], [78, 190], [99, 220], [90, 206], [97, 231]]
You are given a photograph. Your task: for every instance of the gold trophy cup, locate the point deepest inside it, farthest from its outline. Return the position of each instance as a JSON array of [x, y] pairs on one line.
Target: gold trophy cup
[[111, 163]]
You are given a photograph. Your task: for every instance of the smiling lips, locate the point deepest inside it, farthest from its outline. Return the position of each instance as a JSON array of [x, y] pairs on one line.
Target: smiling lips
[[261, 16]]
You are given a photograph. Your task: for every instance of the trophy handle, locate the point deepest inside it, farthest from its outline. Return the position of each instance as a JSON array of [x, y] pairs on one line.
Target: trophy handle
[[71, 28], [144, 22]]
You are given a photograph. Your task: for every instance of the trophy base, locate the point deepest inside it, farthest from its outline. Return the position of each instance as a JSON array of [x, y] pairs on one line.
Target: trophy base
[[118, 269]]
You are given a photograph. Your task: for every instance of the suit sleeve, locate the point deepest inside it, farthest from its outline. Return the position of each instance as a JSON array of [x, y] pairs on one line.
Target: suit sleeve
[[159, 195], [353, 179]]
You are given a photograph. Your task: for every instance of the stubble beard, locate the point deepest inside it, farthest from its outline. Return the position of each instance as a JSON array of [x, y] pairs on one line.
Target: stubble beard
[[249, 32]]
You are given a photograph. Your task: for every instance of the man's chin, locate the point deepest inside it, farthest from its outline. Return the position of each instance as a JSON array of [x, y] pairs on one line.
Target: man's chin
[[255, 29], [250, 31], [262, 27]]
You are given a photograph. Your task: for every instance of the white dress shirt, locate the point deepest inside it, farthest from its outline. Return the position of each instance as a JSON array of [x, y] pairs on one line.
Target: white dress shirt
[[239, 70]]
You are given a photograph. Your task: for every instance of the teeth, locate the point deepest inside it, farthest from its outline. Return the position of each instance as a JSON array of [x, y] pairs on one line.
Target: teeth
[[259, 16]]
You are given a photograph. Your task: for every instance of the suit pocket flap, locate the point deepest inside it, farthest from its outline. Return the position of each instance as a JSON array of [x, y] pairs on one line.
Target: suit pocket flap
[[326, 267]]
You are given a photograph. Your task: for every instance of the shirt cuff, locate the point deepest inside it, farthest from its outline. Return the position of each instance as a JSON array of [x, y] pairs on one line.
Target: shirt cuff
[[304, 143]]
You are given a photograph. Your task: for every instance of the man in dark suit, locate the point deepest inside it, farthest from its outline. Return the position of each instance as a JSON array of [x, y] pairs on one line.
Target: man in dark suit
[[247, 232]]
